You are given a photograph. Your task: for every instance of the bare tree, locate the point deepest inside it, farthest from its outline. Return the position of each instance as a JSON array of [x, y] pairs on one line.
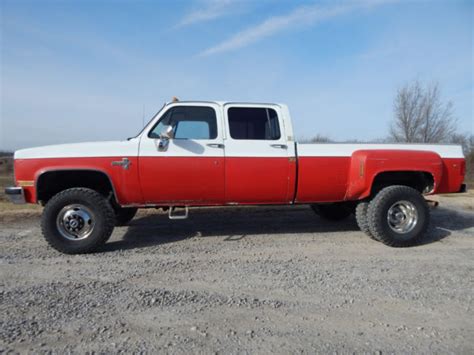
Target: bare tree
[[464, 140], [421, 115], [318, 138]]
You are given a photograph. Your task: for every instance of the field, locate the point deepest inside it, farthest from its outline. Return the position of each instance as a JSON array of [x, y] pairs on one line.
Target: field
[[232, 280]]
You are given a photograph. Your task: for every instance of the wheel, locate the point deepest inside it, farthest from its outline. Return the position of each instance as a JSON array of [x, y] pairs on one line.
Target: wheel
[[398, 216], [361, 218], [123, 215], [333, 211], [77, 220]]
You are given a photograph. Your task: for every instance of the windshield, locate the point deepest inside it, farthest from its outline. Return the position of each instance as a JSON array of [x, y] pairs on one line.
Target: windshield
[[146, 125]]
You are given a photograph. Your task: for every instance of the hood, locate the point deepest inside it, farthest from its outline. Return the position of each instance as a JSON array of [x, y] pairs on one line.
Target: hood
[[81, 150]]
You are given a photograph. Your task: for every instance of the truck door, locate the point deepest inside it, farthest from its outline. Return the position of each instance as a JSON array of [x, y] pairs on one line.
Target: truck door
[[189, 167], [259, 163]]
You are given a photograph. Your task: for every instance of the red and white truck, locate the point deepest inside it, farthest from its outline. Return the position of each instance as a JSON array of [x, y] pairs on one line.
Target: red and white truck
[[204, 153]]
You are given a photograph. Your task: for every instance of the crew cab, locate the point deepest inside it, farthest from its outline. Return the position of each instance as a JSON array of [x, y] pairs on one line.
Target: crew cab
[[206, 153]]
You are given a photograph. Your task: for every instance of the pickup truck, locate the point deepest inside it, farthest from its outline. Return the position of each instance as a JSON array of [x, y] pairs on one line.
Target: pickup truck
[[206, 153]]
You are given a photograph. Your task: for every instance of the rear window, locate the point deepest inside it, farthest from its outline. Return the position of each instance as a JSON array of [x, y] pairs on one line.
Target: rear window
[[253, 123]]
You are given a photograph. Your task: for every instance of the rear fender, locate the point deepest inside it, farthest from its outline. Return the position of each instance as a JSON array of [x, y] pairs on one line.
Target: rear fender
[[367, 164]]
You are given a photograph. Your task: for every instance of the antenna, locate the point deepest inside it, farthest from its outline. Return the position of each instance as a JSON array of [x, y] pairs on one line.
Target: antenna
[[143, 116]]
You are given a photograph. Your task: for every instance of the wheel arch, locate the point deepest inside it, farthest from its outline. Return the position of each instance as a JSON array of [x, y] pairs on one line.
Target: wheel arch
[[64, 178], [422, 181]]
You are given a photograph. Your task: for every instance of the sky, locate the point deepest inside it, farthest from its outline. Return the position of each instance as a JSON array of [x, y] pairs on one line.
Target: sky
[[89, 70]]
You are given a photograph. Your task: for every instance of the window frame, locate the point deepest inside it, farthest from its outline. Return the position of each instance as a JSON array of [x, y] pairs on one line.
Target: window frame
[[165, 112]]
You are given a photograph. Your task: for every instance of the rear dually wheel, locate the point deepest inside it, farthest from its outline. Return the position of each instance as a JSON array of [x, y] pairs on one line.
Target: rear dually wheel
[[398, 216]]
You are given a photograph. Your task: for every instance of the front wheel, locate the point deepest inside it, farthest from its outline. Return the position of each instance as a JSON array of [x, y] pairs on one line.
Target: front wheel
[[77, 220], [398, 216]]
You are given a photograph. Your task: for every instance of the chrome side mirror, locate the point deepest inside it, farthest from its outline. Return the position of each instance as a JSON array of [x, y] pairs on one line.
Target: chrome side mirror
[[165, 137], [167, 133]]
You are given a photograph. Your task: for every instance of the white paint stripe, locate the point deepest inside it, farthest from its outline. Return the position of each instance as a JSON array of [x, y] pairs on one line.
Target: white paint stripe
[[130, 149], [346, 150]]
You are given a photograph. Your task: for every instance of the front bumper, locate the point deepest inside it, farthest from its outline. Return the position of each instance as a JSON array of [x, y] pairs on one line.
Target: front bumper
[[15, 194]]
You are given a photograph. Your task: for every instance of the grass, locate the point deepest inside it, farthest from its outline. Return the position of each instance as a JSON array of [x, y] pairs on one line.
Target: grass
[[6, 179]]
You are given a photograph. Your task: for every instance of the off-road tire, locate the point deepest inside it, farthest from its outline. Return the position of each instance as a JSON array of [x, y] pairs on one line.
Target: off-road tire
[[104, 220], [361, 217], [377, 215], [123, 215], [332, 212]]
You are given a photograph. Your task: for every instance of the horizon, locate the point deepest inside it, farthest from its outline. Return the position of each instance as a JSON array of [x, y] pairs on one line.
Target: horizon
[[88, 71]]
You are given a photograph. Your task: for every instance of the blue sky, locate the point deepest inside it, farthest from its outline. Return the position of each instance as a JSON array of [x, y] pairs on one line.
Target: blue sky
[[84, 70]]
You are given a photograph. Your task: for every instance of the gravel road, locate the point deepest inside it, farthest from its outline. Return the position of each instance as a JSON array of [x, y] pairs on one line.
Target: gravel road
[[254, 280]]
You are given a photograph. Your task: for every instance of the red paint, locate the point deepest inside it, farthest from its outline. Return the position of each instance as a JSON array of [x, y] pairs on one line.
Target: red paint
[[259, 180], [322, 179], [125, 182], [252, 180], [178, 180], [453, 175], [375, 162]]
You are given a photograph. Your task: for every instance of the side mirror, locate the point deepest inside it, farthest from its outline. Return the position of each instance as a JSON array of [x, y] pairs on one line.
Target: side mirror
[[167, 133], [165, 137]]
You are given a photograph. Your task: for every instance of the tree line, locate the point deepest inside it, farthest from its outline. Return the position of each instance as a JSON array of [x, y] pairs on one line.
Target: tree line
[[422, 116]]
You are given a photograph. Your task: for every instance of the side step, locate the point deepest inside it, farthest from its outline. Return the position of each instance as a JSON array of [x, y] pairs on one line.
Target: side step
[[173, 215]]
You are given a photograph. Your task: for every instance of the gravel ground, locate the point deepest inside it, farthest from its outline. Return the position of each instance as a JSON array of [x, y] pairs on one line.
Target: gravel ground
[[231, 280]]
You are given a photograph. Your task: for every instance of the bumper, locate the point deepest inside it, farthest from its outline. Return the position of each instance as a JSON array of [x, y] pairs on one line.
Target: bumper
[[463, 188], [15, 194]]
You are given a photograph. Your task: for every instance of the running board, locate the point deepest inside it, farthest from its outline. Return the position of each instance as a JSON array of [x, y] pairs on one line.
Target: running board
[[173, 215]]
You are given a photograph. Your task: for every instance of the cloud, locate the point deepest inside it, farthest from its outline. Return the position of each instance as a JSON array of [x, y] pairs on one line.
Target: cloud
[[301, 16], [211, 9]]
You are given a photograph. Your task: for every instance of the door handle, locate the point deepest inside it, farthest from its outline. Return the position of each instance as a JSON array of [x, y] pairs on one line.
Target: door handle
[[282, 146], [215, 145]]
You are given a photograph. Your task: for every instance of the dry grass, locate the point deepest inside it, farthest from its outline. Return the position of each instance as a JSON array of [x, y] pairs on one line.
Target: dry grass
[[6, 179]]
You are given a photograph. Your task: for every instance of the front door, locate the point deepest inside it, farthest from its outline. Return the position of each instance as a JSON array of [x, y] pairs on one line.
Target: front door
[[259, 163], [189, 168]]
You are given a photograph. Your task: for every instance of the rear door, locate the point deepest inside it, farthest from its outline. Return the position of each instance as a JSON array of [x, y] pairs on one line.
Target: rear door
[[259, 163]]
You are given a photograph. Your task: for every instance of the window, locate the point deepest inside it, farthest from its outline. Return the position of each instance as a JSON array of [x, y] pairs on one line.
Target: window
[[253, 123], [188, 122]]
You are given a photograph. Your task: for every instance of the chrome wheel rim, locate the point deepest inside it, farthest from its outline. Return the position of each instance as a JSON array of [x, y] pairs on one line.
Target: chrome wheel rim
[[402, 217], [75, 222]]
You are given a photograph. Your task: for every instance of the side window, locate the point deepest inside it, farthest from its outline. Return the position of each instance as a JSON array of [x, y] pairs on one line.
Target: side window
[[188, 122], [253, 123]]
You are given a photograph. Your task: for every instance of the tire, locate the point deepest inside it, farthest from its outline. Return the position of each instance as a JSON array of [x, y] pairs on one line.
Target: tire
[[361, 218], [83, 208], [398, 216], [332, 212], [123, 215]]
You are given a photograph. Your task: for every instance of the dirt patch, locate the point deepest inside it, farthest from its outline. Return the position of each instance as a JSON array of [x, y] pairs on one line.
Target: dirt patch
[[239, 280]]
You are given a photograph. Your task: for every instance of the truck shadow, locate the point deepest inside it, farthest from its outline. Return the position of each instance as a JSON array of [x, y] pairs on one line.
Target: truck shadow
[[234, 224]]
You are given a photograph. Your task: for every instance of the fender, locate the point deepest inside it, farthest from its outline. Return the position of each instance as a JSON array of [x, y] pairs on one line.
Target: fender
[[367, 164], [125, 183]]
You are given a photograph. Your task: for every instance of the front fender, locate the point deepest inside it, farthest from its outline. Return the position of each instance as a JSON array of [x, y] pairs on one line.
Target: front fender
[[125, 183]]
